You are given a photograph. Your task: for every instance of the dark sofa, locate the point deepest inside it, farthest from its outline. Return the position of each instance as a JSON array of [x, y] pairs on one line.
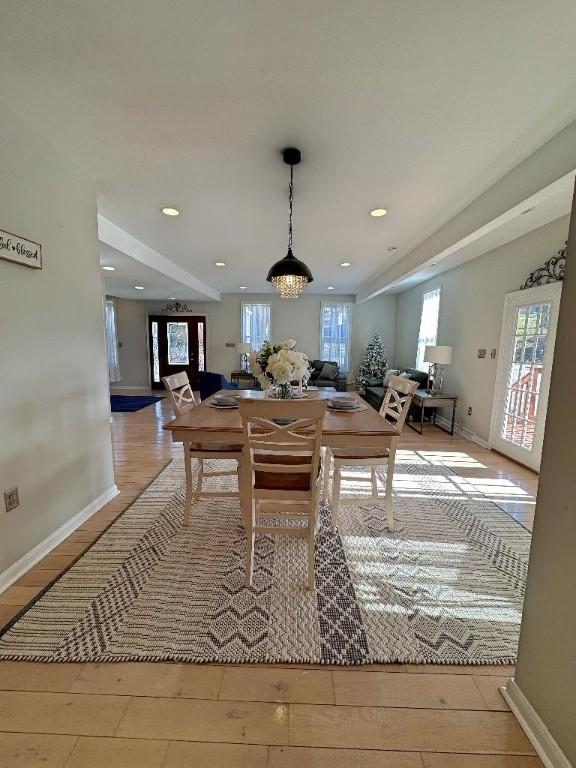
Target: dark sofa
[[375, 395], [327, 378]]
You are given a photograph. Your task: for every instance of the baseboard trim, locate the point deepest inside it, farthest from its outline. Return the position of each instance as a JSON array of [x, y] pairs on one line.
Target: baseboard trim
[[534, 728], [19, 568], [121, 389], [460, 430]]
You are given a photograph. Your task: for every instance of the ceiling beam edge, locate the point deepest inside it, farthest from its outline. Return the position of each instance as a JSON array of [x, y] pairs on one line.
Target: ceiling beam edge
[[117, 238], [553, 160]]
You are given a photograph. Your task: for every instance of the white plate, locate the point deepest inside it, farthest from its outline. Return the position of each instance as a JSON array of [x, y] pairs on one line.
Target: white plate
[[355, 407]]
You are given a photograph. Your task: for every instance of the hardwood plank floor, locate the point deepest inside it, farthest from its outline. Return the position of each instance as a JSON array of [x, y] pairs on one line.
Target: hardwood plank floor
[[258, 716]]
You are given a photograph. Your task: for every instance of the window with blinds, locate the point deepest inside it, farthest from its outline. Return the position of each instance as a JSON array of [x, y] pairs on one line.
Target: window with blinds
[[335, 330], [428, 332], [255, 324]]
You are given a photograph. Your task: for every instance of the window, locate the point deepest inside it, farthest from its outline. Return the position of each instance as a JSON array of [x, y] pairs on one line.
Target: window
[[428, 324], [111, 340], [177, 343], [155, 354], [201, 350], [335, 324], [255, 324]]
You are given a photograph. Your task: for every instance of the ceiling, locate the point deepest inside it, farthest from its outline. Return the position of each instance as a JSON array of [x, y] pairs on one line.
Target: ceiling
[[549, 204], [129, 272], [417, 107]]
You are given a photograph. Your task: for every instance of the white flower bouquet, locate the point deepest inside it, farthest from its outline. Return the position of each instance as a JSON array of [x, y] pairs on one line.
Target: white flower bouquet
[[279, 364]]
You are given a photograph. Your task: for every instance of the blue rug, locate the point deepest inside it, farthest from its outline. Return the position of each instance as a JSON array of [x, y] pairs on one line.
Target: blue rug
[[130, 403]]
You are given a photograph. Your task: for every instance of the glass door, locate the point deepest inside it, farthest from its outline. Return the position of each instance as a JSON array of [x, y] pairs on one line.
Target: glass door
[[523, 377], [176, 343]]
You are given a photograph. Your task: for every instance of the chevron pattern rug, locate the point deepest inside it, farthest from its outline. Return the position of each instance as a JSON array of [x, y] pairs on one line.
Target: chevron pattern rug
[[447, 587]]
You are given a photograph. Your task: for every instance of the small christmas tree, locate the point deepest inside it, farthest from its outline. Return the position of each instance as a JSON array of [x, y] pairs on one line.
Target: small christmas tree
[[374, 363]]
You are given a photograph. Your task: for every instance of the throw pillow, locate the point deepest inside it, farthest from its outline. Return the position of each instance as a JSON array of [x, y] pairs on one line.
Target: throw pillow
[[329, 371], [405, 375], [389, 373]]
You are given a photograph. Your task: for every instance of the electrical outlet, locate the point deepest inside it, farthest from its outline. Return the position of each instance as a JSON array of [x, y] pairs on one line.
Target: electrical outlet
[[481, 353], [469, 411], [11, 500]]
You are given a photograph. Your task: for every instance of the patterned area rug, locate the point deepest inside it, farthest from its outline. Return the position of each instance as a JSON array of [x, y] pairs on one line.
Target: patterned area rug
[[447, 587]]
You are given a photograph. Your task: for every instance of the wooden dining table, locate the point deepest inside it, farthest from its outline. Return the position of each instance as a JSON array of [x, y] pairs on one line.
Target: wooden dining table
[[363, 428]]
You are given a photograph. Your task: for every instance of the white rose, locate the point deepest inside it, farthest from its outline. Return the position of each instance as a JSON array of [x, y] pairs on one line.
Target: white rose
[[287, 343], [282, 373]]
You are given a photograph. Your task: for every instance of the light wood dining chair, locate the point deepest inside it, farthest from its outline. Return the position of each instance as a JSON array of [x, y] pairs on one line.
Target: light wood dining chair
[[183, 400], [282, 451], [394, 408]]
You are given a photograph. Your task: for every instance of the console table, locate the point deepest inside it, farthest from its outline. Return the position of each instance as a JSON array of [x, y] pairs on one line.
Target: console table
[[423, 399]]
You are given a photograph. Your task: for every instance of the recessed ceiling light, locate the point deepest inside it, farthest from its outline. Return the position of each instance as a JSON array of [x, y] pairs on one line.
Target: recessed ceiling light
[[168, 211], [220, 263], [139, 287], [109, 269], [345, 264], [377, 212], [171, 298], [330, 288], [243, 287]]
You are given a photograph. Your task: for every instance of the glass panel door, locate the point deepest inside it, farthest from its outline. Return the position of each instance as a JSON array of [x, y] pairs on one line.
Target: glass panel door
[[178, 343], [527, 347]]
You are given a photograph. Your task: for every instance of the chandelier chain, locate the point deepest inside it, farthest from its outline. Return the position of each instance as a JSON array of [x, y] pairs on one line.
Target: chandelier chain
[[290, 200]]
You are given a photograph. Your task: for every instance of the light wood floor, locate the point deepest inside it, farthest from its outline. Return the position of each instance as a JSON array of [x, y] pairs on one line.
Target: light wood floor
[[225, 716]]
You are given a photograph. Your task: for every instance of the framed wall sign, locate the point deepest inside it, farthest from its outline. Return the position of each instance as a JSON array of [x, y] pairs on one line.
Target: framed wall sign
[[20, 250]]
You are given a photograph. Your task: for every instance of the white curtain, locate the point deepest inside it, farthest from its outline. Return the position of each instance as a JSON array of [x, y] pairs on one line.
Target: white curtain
[[111, 340], [255, 324], [335, 333]]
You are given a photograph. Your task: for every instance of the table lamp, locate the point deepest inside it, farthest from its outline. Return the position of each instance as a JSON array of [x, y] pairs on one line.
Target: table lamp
[[244, 347], [437, 357]]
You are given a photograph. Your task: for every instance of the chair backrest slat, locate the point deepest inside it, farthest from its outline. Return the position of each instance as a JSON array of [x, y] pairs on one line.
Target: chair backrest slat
[[397, 400], [180, 392]]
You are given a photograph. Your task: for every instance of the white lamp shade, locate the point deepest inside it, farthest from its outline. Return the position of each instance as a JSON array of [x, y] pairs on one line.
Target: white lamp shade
[[244, 347], [440, 355]]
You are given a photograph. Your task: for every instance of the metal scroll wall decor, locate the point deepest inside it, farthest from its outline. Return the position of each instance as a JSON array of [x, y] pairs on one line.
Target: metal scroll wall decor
[[550, 272], [178, 307]]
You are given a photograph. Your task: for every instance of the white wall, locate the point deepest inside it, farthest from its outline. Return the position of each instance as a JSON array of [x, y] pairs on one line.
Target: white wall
[[546, 669], [299, 319], [471, 306], [132, 344], [54, 409]]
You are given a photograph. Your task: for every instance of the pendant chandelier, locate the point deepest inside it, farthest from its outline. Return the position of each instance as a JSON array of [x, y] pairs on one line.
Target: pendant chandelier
[[290, 275]]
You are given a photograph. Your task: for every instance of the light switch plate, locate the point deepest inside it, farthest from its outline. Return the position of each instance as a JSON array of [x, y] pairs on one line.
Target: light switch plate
[[493, 353], [481, 353]]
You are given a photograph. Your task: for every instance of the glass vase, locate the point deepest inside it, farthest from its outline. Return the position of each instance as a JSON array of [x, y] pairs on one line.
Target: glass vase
[[284, 391]]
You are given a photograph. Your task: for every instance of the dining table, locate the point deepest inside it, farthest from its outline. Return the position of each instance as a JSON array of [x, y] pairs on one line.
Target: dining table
[[362, 427]]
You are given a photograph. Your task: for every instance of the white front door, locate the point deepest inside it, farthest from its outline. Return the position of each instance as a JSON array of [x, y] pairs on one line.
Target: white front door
[[523, 376]]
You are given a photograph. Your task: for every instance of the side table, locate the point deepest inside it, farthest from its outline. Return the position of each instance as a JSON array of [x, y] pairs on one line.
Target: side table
[[236, 377], [423, 399]]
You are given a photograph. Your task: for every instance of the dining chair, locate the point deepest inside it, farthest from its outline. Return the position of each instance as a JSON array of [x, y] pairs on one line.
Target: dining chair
[[394, 408], [182, 399], [282, 453]]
